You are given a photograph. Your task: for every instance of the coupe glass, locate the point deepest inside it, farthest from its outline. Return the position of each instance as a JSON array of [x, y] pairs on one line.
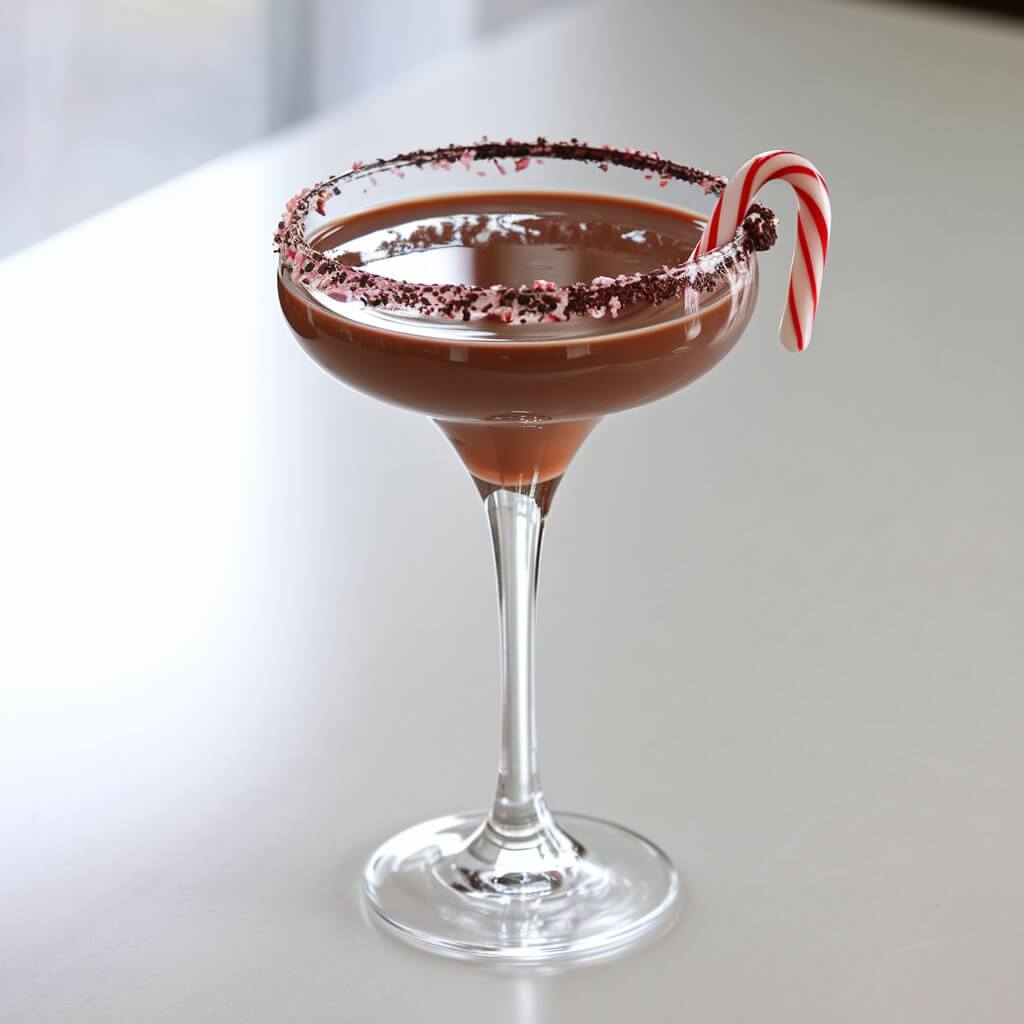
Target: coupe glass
[[518, 883]]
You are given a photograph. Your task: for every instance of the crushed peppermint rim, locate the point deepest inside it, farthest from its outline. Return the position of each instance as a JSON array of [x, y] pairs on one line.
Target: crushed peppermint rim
[[543, 300]]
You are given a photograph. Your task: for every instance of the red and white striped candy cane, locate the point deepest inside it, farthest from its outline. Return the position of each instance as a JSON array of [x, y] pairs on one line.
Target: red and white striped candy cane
[[814, 221]]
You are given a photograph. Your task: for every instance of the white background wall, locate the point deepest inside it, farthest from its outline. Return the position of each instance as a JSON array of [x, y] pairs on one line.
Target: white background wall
[[100, 99]]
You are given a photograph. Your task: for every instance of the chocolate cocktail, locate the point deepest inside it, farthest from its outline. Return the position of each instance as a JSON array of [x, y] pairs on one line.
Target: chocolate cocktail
[[517, 293]]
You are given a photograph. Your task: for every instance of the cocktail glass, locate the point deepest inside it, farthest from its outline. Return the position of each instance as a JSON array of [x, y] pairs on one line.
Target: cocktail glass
[[517, 884]]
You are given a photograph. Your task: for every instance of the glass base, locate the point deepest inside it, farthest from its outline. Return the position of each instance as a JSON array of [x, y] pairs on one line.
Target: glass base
[[427, 883]]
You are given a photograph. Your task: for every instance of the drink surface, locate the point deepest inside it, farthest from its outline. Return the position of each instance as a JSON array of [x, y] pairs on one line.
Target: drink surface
[[514, 240], [517, 400]]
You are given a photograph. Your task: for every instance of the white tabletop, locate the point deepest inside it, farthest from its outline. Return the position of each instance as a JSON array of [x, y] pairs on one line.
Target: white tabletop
[[248, 617]]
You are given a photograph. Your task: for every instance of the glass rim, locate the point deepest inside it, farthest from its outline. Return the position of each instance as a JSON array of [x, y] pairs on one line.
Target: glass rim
[[543, 301]]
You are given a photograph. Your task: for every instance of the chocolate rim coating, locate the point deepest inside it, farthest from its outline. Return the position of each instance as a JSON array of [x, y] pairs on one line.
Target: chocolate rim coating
[[545, 300]]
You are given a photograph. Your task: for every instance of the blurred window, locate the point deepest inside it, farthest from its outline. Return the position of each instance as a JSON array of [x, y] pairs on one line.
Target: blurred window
[[100, 99]]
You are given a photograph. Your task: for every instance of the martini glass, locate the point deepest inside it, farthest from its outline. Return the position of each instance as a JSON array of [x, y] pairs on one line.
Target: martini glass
[[516, 390]]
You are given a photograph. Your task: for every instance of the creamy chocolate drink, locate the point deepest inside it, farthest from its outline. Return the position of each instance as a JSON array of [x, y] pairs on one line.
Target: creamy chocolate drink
[[516, 399]]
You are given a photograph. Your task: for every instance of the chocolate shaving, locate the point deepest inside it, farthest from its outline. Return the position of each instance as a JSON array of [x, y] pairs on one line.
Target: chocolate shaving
[[542, 302]]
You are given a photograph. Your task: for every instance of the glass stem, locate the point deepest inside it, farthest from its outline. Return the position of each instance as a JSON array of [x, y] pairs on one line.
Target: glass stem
[[518, 851], [517, 526]]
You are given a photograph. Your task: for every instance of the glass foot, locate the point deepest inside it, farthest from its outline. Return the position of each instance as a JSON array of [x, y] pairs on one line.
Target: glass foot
[[598, 888]]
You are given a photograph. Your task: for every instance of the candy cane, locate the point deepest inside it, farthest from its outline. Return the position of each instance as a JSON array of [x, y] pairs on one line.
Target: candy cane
[[813, 223]]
